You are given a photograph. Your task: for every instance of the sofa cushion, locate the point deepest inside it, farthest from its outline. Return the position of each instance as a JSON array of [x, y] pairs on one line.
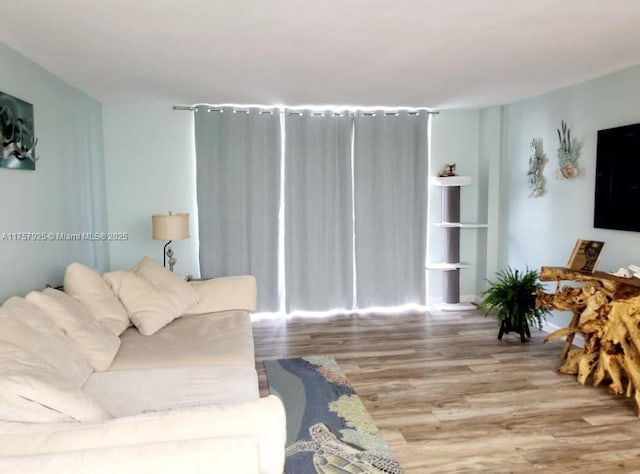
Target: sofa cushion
[[183, 295], [262, 419], [97, 342], [149, 308], [32, 391], [88, 287], [131, 392], [237, 455], [223, 338], [24, 324]]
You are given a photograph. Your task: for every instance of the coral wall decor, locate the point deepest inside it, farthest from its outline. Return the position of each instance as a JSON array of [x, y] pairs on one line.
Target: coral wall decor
[[537, 160], [568, 153]]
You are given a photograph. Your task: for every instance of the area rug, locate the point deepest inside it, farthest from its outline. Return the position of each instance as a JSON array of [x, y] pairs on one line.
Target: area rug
[[328, 428]]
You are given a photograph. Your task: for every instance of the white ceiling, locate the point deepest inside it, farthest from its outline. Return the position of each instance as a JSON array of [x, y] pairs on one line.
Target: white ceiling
[[434, 53]]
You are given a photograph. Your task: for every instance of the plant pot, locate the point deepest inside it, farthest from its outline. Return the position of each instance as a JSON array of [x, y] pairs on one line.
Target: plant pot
[[521, 327]]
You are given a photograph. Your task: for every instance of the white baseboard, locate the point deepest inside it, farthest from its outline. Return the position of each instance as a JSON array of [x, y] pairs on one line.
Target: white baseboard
[[475, 299], [455, 306]]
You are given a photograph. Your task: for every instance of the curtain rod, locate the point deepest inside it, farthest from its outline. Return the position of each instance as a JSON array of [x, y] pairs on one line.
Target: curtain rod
[[245, 108]]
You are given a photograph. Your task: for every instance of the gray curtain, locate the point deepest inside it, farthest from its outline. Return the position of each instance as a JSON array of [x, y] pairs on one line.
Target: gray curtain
[[318, 211], [238, 191], [390, 195]]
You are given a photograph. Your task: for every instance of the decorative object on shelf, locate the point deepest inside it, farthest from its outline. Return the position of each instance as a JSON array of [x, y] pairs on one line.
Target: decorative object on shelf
[[448, 170], [568, 153], [537, 160], [635, 271], [170, 227], [585, 255], [17, 139], [622, 273], [512, 299], [606, 313]]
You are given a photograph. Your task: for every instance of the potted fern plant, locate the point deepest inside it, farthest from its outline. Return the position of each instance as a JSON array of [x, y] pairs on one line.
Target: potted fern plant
[[512, 299]]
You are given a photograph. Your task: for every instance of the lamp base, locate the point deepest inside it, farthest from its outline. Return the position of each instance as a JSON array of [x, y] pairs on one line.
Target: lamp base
[[168, 252]]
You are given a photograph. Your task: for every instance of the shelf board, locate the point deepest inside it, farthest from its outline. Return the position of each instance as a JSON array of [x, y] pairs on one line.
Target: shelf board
[[462, 225], [446, 266], [452, 180]]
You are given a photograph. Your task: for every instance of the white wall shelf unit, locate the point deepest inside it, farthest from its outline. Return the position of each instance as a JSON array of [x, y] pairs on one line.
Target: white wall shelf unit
[[451, 226]]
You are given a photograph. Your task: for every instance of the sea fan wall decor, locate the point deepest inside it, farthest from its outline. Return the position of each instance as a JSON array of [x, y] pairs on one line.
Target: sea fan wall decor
[[537, 160], [568, 153]]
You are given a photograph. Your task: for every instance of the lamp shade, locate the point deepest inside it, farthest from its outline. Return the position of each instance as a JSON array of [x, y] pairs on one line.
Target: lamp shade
[[170, 226]]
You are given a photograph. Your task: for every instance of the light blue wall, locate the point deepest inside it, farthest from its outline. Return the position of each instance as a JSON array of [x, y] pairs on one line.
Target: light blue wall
[[542, 231], [150, 169], [455, 138], [66, 191], [489, 177], [147, 165]]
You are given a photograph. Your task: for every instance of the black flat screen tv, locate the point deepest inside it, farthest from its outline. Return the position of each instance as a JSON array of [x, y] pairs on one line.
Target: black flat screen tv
[[617, 198]]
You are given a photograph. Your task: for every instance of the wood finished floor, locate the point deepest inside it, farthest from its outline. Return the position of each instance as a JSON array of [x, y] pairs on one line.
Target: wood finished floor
[[449, 397]]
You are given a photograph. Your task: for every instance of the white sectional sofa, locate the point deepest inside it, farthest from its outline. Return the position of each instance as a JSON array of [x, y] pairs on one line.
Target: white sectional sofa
[[84, 390]]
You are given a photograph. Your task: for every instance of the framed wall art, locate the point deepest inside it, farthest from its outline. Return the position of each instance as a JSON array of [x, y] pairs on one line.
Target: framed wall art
[[585, 255], [17, 135]]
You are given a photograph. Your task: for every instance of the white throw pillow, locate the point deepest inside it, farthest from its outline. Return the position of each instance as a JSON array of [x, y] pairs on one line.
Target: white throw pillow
[[88, 287], [149, 308], [97, 342], [24, 324], [225, 293], [32, 391], [183, 295]]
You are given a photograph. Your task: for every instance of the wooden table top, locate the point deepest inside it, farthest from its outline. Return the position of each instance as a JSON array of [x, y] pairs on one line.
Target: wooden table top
[[550, 274]]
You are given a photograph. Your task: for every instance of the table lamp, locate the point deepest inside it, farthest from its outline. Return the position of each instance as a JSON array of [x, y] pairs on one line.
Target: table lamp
[[170, 227]]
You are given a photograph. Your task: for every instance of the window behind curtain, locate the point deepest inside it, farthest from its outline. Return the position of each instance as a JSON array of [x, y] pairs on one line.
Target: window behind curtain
[[355, 191], [390, 181], [238, 181], [318, 212]]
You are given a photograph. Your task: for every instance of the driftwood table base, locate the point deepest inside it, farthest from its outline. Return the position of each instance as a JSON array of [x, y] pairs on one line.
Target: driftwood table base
[[606, 313]]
